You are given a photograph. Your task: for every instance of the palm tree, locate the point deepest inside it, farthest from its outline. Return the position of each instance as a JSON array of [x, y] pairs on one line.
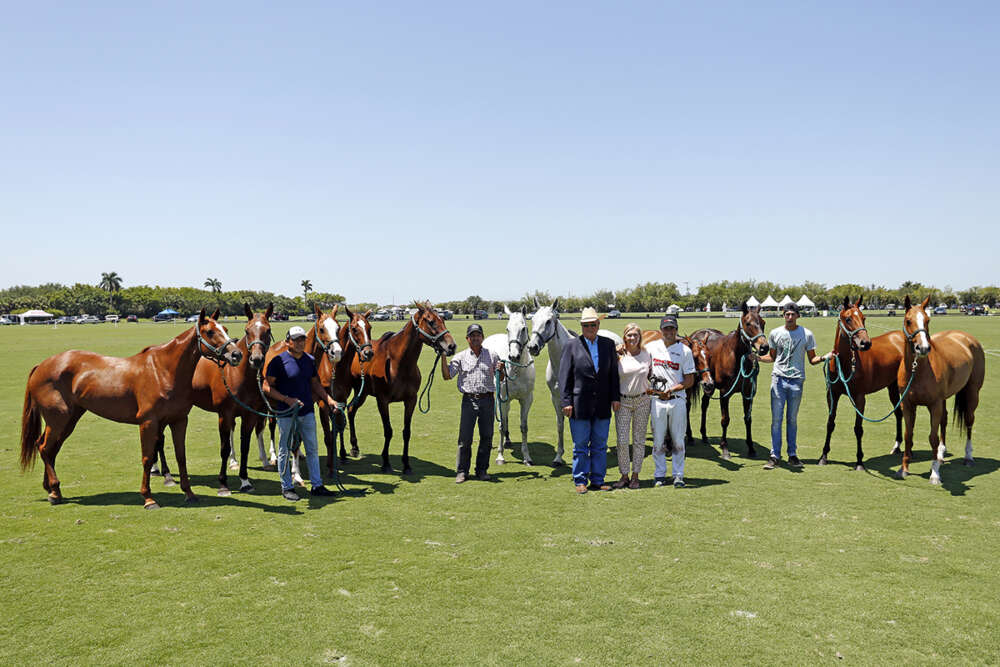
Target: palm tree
[[213, 284], [112, 282], [306, 288]]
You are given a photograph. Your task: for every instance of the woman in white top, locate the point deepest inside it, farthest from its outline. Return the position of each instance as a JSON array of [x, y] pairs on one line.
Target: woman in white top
[[632, 418]]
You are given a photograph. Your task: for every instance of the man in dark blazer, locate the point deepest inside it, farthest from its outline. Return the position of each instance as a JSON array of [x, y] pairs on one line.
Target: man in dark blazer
[[588, 380]]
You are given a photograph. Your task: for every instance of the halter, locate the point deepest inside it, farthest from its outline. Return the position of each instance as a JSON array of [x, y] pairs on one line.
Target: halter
[[850, 333], [215, 353], [555, 330], [433, 339], [357, 347], [745, 336], [910, 337], [319, 341]]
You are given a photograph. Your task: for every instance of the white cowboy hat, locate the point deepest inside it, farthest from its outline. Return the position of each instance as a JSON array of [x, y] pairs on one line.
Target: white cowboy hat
[[589, 315]]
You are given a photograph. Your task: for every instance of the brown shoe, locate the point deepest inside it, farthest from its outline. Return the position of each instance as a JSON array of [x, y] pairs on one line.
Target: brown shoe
[[622, 483], [581, 488], [460, 477], [634, 483], [604, 487]]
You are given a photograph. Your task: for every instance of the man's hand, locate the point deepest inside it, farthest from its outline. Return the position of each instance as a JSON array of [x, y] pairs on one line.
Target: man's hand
[[568, 410], [615, 405]]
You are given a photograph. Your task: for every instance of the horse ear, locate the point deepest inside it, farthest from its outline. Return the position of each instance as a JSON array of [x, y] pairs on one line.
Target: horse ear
[[246, 309], [317, 310], [847, 302], [269, 311], [537, 305], [907, 303], [745, 308], [202, 317], [368, 313], [927, 300], [555, 304], [524, 310], [506, 310], [348, 311], [333, 312], [860, 299], [218, 312]]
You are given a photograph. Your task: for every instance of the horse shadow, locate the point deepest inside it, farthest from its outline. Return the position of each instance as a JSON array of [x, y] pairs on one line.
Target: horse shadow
[[179, 501], [710, 451], [955, 475], [263, 486], [371, 464]]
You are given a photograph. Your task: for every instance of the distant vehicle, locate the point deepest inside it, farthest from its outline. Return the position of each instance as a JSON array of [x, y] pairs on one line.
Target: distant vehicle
[[192, 318], [311, 317], [978, 310], [4, 321], [279, 317], [111, 318], [480, 314], [614, 313], [88, 319], [163, 318], [446, 314], [132, 318], [381, 316], [65, 320], [940, 310]]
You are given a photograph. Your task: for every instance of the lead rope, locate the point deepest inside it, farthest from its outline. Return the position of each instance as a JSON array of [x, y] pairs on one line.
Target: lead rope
[[847, 390], [426, 391]]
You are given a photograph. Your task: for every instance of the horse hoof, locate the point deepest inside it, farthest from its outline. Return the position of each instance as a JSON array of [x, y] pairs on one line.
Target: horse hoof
[[233, 465], [246, 487], [822, 461], [191, 500], [901, 474], [224, 492], [407, 470], [55, 500], [557, 463], [500, 461], [155, 471], [151, 505], [355, 451], [859, 468], [969, 462], [168, 480]]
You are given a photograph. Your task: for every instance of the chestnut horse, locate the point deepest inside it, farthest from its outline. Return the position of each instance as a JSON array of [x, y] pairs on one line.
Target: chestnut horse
[[233, 392], [322, 344], [355, 338], [702, 371], [950, 363], [863, 365], [151, 389], [393, 375], [732, 358]]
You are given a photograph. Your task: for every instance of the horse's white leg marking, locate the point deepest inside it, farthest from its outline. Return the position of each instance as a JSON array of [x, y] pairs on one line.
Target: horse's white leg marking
[[260, 448], [936, 465], [968, 450], [233, 463]]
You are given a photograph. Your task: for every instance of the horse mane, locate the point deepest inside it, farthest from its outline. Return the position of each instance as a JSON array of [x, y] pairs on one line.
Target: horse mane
[[386, 336]]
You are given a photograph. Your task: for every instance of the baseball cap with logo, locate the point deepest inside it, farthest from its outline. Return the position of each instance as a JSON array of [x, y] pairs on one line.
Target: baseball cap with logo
[[668, 321], [296, 332], [473, 328]]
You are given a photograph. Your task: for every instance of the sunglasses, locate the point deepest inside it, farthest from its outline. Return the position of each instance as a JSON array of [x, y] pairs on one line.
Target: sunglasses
[[589, 325]]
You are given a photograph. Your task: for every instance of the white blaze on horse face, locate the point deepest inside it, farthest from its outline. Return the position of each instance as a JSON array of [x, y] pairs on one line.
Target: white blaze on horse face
[[334, 351], [922, 341]]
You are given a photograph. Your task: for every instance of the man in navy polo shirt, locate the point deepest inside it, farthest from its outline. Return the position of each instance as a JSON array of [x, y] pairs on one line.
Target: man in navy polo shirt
[[291, 379]]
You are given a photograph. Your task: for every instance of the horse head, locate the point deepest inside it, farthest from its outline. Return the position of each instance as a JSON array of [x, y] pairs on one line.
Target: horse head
[[752, 329], [543, 326], [702, 368], [517, 332], [214, 341], [326, 333], [257, 334], [432, 329], [359, 333], [852, 322], [916, 326]]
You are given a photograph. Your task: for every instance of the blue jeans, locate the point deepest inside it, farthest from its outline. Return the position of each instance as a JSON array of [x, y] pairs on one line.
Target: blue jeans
[[786, 395], [307, 433], [590, 449]]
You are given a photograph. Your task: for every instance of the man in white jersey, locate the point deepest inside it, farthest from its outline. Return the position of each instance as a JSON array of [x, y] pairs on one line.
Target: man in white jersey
[[670, 375], [788, 347]]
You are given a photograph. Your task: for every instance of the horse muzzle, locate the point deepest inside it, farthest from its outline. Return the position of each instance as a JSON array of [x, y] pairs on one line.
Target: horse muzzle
[[233, 358]]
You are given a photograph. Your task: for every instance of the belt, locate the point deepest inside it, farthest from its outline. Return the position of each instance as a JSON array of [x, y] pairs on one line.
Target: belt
[[633, 395], [478, 396]]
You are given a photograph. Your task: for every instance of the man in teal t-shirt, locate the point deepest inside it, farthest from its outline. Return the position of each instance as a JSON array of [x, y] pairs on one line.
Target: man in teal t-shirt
[[788, 347]]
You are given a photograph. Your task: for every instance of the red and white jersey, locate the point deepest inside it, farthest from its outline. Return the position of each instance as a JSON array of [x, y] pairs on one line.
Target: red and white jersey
[[669, 364]]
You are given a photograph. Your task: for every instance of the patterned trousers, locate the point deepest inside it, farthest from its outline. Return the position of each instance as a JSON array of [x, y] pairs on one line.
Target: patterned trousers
[[632, 419]]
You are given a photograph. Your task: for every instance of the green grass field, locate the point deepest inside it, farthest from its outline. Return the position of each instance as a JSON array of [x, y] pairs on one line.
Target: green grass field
[[743, 566]]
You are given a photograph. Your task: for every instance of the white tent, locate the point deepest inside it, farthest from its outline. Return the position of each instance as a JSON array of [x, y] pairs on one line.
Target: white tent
[[753, 302], [769, 302], [40, 315], [805, 302], [784, 300], [673, 309]]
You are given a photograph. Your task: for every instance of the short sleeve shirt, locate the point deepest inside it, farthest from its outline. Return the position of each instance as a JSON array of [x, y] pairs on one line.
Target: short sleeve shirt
[[669, 364], [790, 349], [475, 374], [293, 377]]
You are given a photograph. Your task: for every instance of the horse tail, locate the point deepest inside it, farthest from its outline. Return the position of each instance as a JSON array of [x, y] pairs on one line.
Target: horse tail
[[695, 390], [31, 427], [960, 408]]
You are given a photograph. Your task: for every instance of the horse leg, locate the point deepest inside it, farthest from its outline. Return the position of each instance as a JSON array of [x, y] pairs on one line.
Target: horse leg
[[272, 423], [724, 441], [383, 411], [329, 437], [504, 438], [688, 438], [831, 423], [407, 419], [168, 479], [525, 407], [149, 434], [937, 447], [351, 412], [859, 432], [898, 412], [233, 463], [971, 403], [705, 400], [748, 420], [53, 437], [225, 452], [909, 417], [944, 424], [246, 431], [560, 425], [178, 432]]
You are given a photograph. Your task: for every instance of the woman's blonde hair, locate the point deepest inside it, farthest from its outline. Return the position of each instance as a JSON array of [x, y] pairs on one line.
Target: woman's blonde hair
[[630, 327]]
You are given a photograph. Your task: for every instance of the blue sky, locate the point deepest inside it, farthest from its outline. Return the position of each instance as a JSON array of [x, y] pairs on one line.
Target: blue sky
[[391, 151]]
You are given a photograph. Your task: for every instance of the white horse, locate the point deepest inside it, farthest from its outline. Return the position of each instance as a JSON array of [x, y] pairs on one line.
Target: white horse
[[548, 331], [520, 382]]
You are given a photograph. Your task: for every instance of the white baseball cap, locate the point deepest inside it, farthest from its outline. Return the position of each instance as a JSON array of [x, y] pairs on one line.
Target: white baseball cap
[[296, 332]]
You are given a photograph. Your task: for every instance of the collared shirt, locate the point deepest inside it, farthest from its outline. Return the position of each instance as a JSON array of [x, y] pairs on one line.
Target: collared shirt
[[669, 365], [592, 347], [475, 374]]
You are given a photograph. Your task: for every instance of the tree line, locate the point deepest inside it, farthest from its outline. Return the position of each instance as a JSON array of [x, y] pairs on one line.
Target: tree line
[[110, 297]]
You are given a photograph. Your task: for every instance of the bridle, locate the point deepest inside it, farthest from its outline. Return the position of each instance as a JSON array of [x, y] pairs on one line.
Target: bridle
[[750, 339], [910, 337], [542, 342], [431, 338], [850, 332], [319, 341], [216, 354], [357, 347]]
